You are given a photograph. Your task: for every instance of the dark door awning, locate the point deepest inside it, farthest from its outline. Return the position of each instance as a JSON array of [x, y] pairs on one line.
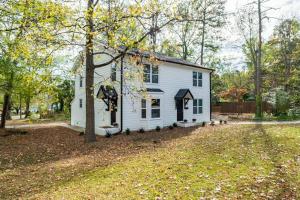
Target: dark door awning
[[110, 97], [184, 94]]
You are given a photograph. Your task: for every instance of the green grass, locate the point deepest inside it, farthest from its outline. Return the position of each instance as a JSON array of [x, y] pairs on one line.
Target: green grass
[[245, 162]]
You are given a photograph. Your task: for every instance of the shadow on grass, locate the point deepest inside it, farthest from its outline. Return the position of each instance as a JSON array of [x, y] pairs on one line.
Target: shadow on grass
[[277, 184]]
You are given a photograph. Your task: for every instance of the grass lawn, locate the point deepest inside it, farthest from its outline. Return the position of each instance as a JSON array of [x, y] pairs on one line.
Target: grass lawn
[[236, 162]]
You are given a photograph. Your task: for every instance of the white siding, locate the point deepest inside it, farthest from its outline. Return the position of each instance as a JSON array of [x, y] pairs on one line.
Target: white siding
[[172, 77], [102, 117]]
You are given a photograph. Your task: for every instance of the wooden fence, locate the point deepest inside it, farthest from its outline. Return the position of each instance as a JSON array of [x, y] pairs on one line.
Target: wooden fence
[[239, 107]]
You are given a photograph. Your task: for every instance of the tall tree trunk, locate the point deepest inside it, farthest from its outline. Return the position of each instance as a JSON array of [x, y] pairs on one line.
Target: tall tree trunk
[[8, 114], [6, 99], [89, 80], [27, 111], [20, 106], [61, 105], [203, 36], [258, 113]]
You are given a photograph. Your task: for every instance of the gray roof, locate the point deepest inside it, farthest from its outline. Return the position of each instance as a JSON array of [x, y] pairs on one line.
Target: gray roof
[[154, 90], [182, 94], [165, 58]]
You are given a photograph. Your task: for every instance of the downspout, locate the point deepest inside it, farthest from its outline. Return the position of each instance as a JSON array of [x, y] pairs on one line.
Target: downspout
[[210, 88], [121, 98]]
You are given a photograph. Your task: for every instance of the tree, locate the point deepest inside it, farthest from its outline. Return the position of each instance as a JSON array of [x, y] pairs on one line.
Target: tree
[[25, 24], [199, 28], [251, 27], [120, 28]]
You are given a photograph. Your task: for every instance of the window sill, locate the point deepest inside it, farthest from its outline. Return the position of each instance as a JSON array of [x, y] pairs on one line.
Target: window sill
[[153, 119]]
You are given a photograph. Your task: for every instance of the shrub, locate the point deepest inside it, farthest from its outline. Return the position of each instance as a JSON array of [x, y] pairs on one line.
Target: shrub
[[157, 128], [175, 125], [279, 100], [212, 123], [203, 124], [221, 121], [127, 131], [225, 122], [294, 112], [141, 130], [171, 127]]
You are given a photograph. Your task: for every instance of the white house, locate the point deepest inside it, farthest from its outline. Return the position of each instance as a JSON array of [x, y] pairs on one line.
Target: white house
[[171, 91]]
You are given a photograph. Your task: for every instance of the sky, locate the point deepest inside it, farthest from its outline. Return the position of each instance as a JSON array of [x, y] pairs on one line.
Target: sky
[[231, 50]]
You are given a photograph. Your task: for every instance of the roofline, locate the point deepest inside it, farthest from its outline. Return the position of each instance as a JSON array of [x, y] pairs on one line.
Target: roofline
[[164, 60], [174, 62], [190, 65]]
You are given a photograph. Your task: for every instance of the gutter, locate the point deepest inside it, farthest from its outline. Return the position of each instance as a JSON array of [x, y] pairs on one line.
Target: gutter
[[210, 104], [121, 92]]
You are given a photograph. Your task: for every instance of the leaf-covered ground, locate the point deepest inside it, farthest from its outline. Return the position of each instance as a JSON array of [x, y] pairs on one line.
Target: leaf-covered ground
[[233, 162]]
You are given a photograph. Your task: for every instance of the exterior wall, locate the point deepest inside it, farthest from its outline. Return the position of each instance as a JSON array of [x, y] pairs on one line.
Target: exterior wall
[[172, 77], [102, 117]]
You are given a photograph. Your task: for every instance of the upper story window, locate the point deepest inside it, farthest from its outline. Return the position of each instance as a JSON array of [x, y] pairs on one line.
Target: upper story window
[[150, 73], [155, 108], [80, 81], [197, 106], [197, 79], [114, 72], [143, 109]]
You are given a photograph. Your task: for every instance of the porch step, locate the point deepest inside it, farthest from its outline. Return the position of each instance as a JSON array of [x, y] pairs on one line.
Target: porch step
[[102, 131], [187, 124]]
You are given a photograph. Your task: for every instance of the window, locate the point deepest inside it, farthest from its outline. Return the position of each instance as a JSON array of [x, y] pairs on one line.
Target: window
[[80, 103], [197, 106], [155, 74], [114, 72], [143, 109], [80, 81], [150, 73], [197, 79], [155, 108]]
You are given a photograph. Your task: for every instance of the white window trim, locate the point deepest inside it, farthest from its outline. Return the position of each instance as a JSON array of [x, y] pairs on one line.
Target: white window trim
[[151, 74], [113, 70], [197, 106], [143, 108], [197, 85], [80, 103], [155, 118], [80, 81]]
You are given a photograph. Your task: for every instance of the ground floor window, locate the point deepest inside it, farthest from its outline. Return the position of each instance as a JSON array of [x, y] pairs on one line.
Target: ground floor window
[[80, 103], [155, 108], [143, 109], [197, 106]]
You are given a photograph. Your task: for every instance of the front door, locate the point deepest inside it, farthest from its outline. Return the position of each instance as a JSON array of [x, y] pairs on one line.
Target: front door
[[179, 110], [112, 117]]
